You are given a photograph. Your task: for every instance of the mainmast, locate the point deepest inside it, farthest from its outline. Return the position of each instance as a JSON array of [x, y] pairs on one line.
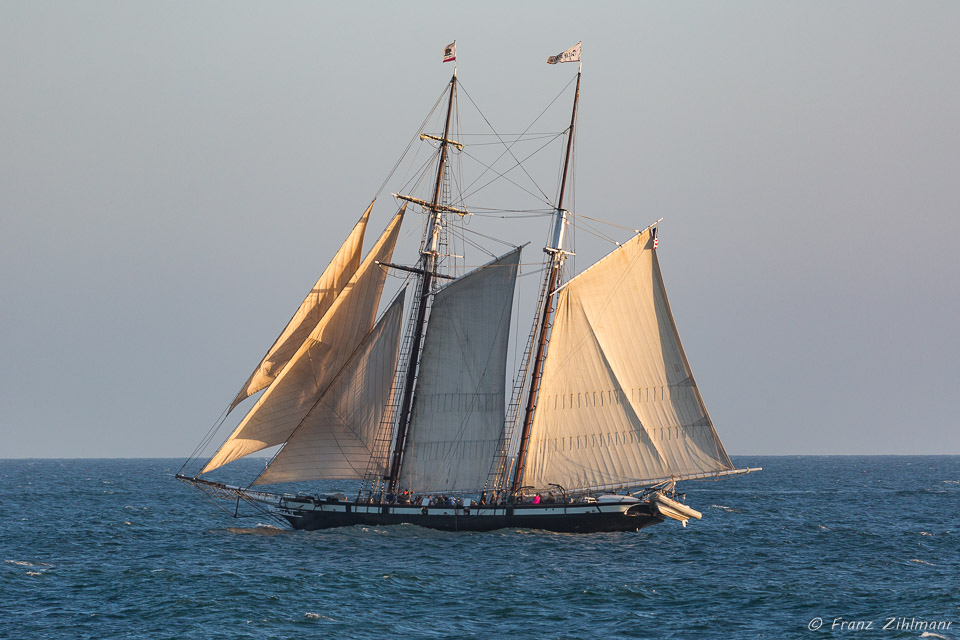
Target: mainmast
[[428, 265], [556, 259]]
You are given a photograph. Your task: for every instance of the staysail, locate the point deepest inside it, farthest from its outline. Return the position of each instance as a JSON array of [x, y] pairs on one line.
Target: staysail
[[332, 281], [458, 409], [618, 404], [318, 360], [337, 436]]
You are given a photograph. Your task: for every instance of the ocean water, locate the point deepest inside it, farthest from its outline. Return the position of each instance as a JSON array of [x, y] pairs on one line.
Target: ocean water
[[119, 549]]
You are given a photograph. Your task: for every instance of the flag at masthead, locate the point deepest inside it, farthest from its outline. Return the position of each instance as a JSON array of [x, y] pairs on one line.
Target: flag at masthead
[[570, 55], [450, 52]]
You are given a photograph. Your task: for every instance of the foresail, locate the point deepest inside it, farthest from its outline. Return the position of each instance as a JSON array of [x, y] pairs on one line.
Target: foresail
[[618, 404], [458, 411], [318, 360], [336, 438], [334, 278]]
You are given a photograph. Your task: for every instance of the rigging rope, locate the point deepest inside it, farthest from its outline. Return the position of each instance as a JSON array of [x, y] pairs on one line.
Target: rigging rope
[[612, 224], [195, 454], [483, 235], [594, 232], [410, 144], [504, 174], [507, 147]]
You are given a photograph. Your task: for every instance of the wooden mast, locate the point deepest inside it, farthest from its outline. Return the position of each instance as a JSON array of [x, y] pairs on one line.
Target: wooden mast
[[557, 256], [428, 262]]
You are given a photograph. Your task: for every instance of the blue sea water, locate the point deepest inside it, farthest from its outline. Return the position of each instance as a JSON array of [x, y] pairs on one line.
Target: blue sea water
[[119, 549]]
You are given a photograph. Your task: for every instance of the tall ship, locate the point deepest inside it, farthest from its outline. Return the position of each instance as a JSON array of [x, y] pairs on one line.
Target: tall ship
[[589, 430]]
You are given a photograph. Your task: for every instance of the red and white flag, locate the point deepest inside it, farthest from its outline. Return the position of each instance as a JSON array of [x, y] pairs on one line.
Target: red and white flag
[[570, 55], [450, 52], [656, 238]]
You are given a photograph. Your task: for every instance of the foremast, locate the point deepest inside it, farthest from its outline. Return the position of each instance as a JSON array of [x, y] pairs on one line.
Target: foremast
[[426, 275], [556, 257]]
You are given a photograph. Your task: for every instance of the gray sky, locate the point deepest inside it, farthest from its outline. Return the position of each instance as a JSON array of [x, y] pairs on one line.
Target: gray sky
[[173, 177]]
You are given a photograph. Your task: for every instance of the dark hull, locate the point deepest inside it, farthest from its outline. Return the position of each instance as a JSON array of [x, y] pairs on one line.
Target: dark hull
[[574, 520]]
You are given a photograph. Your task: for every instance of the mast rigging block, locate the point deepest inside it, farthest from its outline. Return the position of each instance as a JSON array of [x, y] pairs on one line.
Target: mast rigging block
[[427, 136], [432, 207], [401, 267]]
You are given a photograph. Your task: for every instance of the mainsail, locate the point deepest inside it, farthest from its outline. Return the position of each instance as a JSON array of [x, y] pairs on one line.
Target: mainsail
[[332, 281], [337, 436], [618, 404], [318, 360], [458, 409]]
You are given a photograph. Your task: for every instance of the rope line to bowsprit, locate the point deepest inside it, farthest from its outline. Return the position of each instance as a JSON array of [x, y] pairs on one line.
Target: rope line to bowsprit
[[195, 454]]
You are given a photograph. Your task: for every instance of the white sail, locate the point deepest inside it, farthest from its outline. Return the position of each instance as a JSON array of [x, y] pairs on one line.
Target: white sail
[[334, 278], [617, 403], [298, 387], [458, 408], [336, 438]]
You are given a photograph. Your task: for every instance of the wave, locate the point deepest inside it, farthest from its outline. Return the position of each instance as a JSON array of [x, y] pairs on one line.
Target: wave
[[259, 530], [317, 616], [35, 568], [24, 563], [725, 508]]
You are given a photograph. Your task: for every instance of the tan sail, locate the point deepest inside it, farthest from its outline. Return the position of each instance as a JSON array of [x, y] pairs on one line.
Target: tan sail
[[336, 438], [314, 306], [618, 404], [318, 360], [458, 411]]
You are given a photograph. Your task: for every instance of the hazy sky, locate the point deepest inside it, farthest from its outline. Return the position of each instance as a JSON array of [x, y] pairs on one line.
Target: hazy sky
[[173, 177]]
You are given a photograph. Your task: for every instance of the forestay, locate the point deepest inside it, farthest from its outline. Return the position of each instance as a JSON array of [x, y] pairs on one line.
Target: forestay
[[618, 404], [300, 384], [332, 281], [458, 410], [336, 438]]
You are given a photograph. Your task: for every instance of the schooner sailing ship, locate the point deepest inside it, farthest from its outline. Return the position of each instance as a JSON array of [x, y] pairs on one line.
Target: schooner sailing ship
[[604, 417]]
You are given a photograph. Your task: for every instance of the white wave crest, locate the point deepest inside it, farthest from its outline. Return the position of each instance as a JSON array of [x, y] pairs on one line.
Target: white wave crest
[[317, 616]]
